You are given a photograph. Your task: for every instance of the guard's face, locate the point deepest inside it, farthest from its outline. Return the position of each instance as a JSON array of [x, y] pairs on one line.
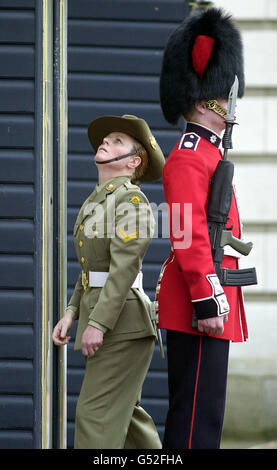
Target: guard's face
[[217, 121], [114, 145]]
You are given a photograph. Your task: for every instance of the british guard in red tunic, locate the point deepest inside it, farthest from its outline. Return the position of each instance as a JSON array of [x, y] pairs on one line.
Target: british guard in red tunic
[[200, 314]]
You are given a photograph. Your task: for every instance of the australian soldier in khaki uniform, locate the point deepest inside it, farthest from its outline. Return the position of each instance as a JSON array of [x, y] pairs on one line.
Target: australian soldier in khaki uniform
[[115, 332]]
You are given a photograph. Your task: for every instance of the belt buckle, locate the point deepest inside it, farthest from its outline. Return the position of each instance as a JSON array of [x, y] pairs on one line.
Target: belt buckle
[[85, 281]]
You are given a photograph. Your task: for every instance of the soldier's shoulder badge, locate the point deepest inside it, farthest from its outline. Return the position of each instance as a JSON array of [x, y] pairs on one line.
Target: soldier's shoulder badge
[[135, 199], [189, 141], [126, 237]]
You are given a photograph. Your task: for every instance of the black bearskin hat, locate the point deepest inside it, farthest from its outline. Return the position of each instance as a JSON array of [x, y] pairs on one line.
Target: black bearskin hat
[[200, 62]]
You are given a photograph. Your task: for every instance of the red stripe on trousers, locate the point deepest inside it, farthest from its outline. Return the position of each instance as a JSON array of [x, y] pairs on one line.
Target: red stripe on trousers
[[195, 391]]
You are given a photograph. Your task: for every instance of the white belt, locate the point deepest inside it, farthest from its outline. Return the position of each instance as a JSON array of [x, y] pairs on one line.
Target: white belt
[[98, 279]]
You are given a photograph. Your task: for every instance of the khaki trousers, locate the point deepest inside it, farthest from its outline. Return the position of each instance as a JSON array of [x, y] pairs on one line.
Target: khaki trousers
[[108, 414]]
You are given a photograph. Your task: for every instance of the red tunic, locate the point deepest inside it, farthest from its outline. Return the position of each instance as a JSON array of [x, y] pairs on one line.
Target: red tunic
[[186, 180]]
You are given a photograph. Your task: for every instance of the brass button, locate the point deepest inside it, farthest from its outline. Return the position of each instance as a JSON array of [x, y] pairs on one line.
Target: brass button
[[82, 227], [110, 187], [82, 259], [80, 243], [153, 142], [95, 233]]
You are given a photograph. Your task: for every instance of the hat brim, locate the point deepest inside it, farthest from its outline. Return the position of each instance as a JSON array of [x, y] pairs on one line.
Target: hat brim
[[136, 128]]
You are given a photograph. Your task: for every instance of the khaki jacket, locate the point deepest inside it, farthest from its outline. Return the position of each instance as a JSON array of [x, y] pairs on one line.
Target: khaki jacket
[[112, 232]]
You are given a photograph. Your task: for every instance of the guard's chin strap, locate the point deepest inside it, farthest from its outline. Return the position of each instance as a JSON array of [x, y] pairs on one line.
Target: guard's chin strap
[[120, 157], [214, 106]]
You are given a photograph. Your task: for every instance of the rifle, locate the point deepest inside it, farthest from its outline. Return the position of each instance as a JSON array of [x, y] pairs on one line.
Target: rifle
[[220, 199]]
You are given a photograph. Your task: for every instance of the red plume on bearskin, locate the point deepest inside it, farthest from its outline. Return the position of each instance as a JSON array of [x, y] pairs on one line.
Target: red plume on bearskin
[[200, 61], [201, 53]]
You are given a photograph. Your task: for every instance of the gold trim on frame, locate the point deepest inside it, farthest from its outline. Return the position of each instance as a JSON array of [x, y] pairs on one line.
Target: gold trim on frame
[[47, 225], [62, 216]]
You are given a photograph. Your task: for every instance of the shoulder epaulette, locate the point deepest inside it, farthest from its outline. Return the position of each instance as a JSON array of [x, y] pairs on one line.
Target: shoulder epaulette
[[189, 141]]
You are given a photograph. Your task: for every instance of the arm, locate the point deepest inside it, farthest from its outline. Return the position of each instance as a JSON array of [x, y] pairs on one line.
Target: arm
[[62, 328], [60, 333], [74, 301], [186, 181]]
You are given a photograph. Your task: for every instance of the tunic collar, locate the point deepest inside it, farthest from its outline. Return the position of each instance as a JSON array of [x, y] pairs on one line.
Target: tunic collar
[[111, 184], [205, 132]]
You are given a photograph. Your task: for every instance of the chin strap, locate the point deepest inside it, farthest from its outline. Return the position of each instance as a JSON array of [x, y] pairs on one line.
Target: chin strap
[[214, 106], [120, 157]]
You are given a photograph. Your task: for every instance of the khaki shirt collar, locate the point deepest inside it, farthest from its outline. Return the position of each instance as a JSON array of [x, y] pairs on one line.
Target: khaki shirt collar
[[112, 182], [108, 187]]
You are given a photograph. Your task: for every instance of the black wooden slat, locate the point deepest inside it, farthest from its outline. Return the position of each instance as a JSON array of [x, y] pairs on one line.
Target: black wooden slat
[[16, 342], [155, 385], [16, 412], [119, 33], [71, 406], [18, 4], [75, 358], [151, 274], [97, 59], [17, 61], [71, 254], [113, 87], [159, 363], [16, 131], [16, 377], [74, 380], [82, 167], [16, 271], [16, 236], [16, 306], [82, 112], [17, 26], [73, 270], [70, 434], [72, 213], [157, 408], [16, 201], [16, 96], [14, 439], [150, 10], [20, 185], [158, 248], [17, 166]]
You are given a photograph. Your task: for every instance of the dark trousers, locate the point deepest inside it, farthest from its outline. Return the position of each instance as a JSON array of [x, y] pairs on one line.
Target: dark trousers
[[197, 377]]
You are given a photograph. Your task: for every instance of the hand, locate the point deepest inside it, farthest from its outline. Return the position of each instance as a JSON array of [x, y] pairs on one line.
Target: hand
[[213, 325], [63, 327], [91, 341]]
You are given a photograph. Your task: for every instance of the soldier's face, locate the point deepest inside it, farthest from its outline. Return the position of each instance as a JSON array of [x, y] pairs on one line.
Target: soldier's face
[[216, 121], [114, 145]]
